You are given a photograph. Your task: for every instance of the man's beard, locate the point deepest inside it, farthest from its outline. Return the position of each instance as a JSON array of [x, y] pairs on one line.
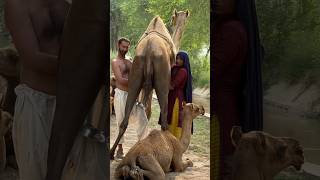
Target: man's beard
[[123, 53]]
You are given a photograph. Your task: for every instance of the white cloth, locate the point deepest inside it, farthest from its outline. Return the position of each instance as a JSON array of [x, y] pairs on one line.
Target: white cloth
[[138, 116], [32, 123]]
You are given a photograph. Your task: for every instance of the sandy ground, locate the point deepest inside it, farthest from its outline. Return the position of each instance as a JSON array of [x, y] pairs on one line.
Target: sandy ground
[[286, 114], [199, 171], [201, 162]]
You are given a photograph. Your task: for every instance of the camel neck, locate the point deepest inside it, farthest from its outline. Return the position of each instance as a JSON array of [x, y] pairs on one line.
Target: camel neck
[[186, 132], [176, 36]]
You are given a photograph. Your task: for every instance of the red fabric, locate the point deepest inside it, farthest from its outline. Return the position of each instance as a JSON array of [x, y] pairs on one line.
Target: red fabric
[[178, 81], [229, 56]]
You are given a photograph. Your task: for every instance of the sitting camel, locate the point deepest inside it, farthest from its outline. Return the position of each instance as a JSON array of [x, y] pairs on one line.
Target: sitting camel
[[260, 156], [5, 125], [155, 54], [153, 156]]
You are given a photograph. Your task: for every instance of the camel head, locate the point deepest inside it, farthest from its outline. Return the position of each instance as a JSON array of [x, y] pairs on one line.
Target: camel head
[[178, 23], [273, 153], [5, 122], [179, 19], [192, 109]]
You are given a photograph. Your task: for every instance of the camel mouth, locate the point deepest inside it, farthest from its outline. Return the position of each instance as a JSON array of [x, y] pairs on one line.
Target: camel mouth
[[298, 166], [202, 111]]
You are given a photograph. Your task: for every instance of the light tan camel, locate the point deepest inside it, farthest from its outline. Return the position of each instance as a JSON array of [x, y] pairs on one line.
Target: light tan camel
[[260, 156], [5, 125], [178, 23], [160, 151], [177, 26], [151, 68]]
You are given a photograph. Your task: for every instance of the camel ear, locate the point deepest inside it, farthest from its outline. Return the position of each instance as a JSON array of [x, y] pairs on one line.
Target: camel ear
[[236, 134], [260, 145], [192, 106], [188, 13], [183, 104], [175, 12]]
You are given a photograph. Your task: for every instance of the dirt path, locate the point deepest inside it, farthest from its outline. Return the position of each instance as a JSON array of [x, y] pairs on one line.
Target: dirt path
[[199, 171]]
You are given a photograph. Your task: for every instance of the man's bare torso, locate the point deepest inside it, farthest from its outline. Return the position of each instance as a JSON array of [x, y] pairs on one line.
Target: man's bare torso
[[124, 66], [46, 19]]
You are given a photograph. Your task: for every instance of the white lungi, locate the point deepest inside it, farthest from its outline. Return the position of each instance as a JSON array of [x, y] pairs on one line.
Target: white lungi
[[138, 116], [33, 116]]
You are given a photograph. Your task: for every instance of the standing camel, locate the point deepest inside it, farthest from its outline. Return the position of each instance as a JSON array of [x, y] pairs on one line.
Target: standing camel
[[154, 56]]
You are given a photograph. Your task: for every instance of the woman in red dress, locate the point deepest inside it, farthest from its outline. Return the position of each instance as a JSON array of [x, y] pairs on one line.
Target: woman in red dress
[[180, 90]]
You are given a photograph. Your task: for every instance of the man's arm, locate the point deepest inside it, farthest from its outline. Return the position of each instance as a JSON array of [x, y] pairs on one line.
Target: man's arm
[[21, 29], [117, 73]]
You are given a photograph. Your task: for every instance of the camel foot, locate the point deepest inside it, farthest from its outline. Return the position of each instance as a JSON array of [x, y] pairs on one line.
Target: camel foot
[[164, 126], [189, 163], [136, 173]]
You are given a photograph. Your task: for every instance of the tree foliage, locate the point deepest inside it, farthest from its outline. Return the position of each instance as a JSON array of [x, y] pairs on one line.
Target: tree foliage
[[4, 35], [131, 18], [290, 34]]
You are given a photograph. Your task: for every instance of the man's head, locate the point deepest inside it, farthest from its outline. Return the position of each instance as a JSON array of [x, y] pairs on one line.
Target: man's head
[[123, 46], [224, 7]]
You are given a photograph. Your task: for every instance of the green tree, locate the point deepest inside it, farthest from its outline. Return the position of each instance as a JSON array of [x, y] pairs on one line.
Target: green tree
[[4, 35], [133, 17], [290, 34]]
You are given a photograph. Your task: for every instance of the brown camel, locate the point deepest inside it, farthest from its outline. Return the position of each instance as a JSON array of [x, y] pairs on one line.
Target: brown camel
[[177, 26], [151, 68], [153, 156], [5, 125], [82, 72], [260, 156], [178, 22]]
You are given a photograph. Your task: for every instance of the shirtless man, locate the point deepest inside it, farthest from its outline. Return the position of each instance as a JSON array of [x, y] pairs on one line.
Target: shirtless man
[[36, 27], [121, 68]]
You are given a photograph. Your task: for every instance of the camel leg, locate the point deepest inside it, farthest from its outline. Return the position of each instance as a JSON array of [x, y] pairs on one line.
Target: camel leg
[[151, 168], [179, 165], [146, 99], [135, 84], [161, 85], [148, 107]]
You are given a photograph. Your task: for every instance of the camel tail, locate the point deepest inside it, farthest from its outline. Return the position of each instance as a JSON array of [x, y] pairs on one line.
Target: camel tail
[[148, 76]]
